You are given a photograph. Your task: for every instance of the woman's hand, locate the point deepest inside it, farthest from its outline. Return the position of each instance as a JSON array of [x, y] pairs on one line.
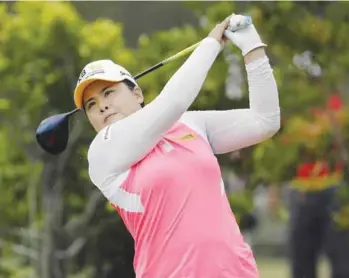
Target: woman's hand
[[246, 39], [218, 31]]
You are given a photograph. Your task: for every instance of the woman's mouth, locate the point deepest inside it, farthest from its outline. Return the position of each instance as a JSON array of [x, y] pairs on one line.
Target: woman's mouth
[[108, 117]]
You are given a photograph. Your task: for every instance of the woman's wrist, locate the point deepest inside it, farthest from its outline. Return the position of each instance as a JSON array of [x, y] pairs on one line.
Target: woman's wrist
[[255, 54]]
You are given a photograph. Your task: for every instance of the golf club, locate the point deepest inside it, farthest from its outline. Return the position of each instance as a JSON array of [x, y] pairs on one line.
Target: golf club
[[52, 133]]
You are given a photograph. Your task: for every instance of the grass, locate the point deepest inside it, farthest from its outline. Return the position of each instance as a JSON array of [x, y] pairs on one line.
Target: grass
[[279, 268]]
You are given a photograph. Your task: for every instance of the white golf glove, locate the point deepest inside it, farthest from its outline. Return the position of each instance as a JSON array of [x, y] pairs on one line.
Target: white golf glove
[[246, 38]]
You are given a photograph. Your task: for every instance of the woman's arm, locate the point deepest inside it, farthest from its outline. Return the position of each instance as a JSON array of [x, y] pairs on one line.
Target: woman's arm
[[235, 129], [123, 143], [238, 128]]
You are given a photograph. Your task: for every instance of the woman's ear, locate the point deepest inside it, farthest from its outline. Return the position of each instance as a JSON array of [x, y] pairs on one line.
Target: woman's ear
[[138, 94]]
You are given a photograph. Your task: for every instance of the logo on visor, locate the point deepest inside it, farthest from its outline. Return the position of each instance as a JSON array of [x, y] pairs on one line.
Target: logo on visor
[[82, 75], [90, 70], [124, 73]]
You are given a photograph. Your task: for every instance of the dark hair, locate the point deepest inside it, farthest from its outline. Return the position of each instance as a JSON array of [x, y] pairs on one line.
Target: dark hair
[[131, 86]]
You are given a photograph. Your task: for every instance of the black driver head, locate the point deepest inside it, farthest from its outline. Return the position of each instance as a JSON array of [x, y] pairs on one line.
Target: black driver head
[[53, 133]]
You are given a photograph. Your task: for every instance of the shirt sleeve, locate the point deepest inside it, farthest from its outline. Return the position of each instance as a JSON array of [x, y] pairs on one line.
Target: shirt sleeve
[[234, 129], [123, 143]]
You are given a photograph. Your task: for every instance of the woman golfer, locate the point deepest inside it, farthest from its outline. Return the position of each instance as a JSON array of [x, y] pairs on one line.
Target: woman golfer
[[156, 164]]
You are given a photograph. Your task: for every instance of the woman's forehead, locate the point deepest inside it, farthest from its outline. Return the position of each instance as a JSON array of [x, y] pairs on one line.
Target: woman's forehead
[[95, 88]]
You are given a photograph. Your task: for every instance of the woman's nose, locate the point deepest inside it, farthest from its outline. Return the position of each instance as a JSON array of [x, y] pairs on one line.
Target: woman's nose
[[103, 108]]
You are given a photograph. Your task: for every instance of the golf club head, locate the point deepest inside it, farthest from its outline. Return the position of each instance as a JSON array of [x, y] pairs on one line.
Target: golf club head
[[53, 133]]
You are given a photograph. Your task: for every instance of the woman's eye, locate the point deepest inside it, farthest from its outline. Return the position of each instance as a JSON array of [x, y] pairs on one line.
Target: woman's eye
[[107, 93], [90, 105]]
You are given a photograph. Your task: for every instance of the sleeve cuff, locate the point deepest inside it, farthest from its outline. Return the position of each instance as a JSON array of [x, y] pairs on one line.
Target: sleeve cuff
[[211, 42], [257, 63]]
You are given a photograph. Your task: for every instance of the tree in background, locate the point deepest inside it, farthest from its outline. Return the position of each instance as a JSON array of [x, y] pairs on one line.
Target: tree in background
[[47, 202], [311, 65], [307, 48]]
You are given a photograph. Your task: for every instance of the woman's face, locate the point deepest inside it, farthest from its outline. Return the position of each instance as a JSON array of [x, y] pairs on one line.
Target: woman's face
[[106, 102]]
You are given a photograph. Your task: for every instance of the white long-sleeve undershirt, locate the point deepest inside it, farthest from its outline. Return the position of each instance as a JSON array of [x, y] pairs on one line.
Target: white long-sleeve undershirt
[[234, 129], [122, 144]]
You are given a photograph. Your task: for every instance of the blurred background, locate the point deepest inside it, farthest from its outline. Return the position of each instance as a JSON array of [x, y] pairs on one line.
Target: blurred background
[[287, 193]]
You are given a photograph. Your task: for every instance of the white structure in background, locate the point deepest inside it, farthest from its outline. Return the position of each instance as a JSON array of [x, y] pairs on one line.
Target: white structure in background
[[304, 61], [234, 81], [233, 183], [203, 21]]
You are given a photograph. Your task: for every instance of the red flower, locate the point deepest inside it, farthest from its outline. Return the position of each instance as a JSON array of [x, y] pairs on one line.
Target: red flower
[[335, 102]]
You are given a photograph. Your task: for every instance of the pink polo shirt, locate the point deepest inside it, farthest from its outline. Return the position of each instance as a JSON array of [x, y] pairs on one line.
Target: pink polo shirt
[[158, 168]]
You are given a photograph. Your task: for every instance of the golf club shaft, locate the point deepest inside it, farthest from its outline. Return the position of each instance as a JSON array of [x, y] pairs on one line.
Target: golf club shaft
[[164, 62], [48, 132], [189, 49]]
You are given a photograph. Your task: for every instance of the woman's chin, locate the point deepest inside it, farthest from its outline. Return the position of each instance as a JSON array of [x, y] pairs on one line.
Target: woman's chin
[[113, 118]]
